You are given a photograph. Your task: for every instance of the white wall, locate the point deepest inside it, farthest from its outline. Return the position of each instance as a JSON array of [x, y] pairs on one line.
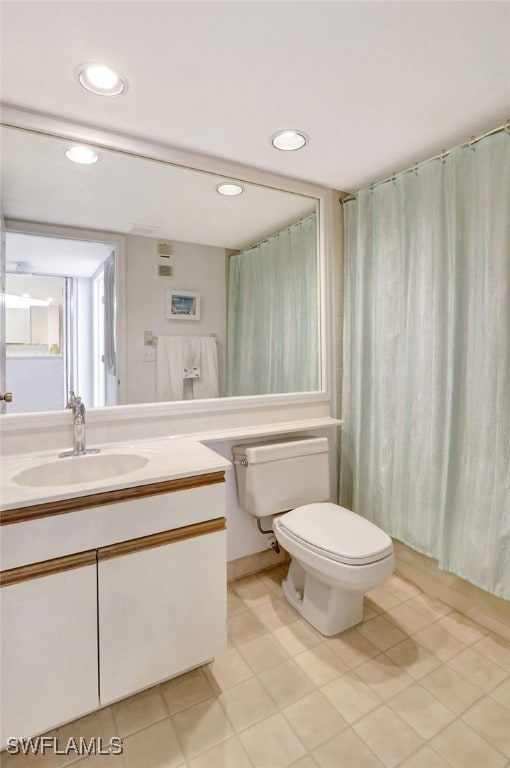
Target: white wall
[[17, 326], [36, 383], [199, 268]]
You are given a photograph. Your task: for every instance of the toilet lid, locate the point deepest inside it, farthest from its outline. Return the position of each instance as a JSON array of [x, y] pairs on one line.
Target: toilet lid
[[337, 533]]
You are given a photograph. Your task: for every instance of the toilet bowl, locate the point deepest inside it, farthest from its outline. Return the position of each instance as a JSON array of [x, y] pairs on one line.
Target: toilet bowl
[[337, 555]]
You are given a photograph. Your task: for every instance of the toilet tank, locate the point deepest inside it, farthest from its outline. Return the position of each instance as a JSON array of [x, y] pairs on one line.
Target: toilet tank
[[276, 476]]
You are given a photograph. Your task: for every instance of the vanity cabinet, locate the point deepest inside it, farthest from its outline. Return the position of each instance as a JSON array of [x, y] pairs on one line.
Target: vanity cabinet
[[48, 646], [108, 594]]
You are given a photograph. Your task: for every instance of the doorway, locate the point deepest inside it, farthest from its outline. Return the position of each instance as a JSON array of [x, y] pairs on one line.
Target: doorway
[[57, 322]]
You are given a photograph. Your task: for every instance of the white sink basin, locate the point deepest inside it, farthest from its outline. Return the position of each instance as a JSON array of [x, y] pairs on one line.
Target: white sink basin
[[81, 469]]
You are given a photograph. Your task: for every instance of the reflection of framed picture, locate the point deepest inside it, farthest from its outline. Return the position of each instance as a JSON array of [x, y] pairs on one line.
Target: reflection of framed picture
[[182, 305]]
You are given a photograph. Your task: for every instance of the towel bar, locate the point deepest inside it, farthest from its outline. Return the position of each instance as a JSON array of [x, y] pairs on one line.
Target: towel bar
[[150, 340]]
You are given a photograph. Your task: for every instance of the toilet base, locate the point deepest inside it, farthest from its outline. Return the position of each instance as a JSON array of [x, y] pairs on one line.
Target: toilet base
[[328, 609]]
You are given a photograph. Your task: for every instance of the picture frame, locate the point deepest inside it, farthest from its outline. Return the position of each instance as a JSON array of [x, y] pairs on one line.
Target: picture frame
[[182, 305]]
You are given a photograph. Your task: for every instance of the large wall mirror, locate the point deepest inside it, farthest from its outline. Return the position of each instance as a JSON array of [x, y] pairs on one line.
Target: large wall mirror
[[132, 280]]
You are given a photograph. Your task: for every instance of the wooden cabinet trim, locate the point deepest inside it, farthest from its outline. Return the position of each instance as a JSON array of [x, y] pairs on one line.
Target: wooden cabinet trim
[[47, 567], [160, 539], [77, 503], [90, 557]]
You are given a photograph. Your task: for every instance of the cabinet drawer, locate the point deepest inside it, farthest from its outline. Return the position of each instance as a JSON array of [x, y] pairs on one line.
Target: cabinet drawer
[[57, 535]]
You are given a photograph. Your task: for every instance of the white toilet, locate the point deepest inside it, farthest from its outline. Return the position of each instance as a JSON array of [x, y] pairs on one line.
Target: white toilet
[[337, 555]]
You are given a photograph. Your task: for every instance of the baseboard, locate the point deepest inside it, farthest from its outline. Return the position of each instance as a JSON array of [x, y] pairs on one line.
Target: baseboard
[[259, 561], [483, 607]]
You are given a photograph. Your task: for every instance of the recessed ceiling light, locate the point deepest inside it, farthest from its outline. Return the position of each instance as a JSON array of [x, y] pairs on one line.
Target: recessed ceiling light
[[289, 139], [78, 153], [229, 189], [100, 79]]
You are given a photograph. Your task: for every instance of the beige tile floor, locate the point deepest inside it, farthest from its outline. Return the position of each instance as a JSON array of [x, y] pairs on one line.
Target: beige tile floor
[[416, 685]]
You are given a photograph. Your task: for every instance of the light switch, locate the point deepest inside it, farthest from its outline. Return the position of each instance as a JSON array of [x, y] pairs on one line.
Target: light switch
[[149, 355]]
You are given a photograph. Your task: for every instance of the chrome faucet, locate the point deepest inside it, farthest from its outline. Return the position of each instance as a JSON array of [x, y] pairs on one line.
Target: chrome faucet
[[78, 408]]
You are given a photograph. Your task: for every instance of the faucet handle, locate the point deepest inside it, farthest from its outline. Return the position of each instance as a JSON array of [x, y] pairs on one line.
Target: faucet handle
[[79, 411], [73, 400]]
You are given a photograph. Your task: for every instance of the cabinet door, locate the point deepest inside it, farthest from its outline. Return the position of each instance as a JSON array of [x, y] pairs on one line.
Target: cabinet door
[[162, 607], [49, 645]]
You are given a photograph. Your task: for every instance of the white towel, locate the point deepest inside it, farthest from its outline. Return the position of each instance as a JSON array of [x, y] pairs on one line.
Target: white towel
[[170, 357], [174, 354], [207, 384]]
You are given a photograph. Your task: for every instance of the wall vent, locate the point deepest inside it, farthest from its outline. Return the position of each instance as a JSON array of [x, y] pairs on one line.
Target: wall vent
[[165, 260], [164, 249], [142, 229]]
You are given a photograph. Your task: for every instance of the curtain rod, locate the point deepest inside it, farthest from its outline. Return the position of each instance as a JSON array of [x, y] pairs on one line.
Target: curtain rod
[[275, 234], [444, 153]]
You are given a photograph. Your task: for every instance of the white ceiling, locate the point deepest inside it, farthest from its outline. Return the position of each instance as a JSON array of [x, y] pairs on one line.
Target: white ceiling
[[54, 256], [377, 86]]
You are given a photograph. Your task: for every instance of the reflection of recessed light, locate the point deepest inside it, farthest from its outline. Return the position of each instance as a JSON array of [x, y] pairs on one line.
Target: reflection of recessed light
[[78, 153], [229, 189], [100, 79], [289, 139]]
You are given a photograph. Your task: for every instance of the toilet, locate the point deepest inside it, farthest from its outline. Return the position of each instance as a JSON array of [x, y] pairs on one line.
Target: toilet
[[336, 555]]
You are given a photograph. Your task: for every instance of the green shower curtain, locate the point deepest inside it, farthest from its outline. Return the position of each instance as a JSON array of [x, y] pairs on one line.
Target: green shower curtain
[[426, 382], [273, 314]]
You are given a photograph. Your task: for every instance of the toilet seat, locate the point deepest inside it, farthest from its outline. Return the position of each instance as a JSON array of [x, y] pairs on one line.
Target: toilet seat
[[336, 533]]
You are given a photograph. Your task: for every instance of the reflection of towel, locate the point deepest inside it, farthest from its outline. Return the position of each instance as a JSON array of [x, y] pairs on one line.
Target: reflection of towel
[[169, 364], [207, 384], [174, 354]]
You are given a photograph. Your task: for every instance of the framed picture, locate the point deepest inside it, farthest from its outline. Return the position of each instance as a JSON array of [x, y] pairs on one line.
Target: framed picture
[[182, 305]]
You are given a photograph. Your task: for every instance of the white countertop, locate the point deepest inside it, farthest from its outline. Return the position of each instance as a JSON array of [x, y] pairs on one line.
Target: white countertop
[[267, 430], [167, 459]]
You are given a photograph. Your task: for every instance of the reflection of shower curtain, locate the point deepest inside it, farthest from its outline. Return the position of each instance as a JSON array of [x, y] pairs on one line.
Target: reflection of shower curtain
[[273, 314], [426, 387], [110, 356]]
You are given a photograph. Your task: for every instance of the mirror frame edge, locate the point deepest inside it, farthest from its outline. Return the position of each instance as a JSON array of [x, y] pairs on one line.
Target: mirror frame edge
[[41, 123]]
